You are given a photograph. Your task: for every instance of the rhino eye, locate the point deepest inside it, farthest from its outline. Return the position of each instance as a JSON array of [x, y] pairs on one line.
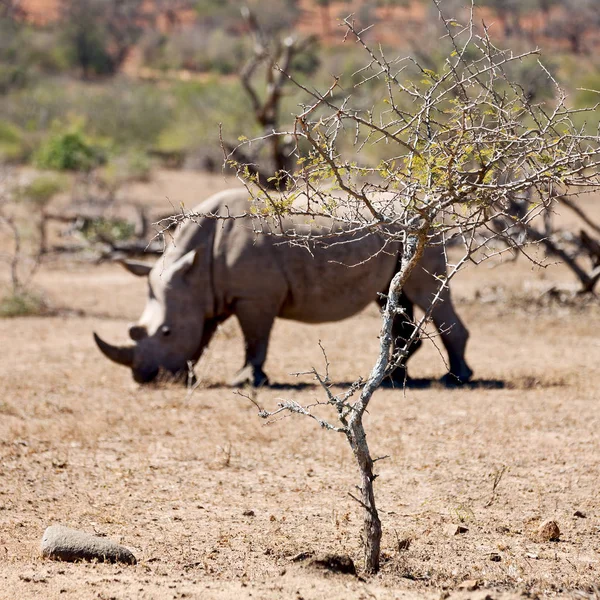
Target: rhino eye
[[165, 330]]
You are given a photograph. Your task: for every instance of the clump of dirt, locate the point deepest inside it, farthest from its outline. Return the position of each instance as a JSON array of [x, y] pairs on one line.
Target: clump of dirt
[[548, 531], [336, 563]]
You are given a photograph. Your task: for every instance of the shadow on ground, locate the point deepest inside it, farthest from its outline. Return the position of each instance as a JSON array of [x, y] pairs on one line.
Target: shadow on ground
[[411, 384], [422, 383]]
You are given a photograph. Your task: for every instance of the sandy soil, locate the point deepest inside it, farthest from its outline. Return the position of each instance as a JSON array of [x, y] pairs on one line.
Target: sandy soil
[[216, 505]]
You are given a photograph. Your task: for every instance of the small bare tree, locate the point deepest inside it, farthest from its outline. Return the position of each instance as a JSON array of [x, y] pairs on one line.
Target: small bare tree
[[461, 145], [273, 56], [22, 265]]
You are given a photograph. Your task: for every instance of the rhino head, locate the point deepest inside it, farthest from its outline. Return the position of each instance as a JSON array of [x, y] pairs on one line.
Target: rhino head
[[170, 330]]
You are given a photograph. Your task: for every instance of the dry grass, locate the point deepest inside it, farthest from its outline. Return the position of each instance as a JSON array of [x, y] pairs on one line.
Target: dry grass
[[171, 475]]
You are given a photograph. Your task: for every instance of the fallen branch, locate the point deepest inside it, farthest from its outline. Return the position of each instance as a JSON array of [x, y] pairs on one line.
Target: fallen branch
[[588, 280]]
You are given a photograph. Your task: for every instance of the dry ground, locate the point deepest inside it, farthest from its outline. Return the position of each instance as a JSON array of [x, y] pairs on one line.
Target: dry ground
[[174, 476]]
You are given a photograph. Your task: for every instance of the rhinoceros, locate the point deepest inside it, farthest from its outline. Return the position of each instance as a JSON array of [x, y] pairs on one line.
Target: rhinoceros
[[218, 268]]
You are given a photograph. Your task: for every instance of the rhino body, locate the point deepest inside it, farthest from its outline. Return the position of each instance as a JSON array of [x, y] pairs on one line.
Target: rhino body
[[218, 268]]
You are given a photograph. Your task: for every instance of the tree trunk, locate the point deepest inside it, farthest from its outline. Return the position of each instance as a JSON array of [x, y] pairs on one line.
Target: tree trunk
[[411, 253], [371, 521]]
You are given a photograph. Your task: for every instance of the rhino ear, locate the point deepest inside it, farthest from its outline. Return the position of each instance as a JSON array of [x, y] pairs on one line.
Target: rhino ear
[[185, 264], [139, 269]]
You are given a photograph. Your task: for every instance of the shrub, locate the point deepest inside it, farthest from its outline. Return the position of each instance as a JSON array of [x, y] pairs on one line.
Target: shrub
[[223, 54], [307, 62], [68, 151], [112, 229], [11, 77], [25, 53], [42, 189], [98, 34], [128, 114], [43, 51], [197, 49], [135, 165], [119, 115], [35, 108], [22, 303], [86, 47], [13, 147]]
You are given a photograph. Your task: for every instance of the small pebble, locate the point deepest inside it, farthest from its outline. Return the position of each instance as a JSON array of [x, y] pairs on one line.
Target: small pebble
[[63, 543], [404, 544], [302, 556], [453, 529], [470, 585]]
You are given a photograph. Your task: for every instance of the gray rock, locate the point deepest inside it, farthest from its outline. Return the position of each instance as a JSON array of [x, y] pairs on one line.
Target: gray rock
[[63, 543], [453, 529]]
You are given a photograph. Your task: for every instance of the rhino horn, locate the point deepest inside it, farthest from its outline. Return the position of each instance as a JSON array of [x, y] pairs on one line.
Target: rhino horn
[[139, 269], [122, 355]]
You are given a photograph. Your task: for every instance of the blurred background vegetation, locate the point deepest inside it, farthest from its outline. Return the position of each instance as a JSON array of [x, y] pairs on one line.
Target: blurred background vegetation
[[99, 95], [124, 85]]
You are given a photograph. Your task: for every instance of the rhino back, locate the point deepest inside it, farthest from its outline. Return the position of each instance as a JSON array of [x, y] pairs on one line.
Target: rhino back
[[324, 282], [336, 280]]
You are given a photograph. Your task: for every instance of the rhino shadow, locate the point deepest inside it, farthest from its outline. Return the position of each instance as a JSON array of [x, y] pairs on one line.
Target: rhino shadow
[[272, 386], [420, 383]]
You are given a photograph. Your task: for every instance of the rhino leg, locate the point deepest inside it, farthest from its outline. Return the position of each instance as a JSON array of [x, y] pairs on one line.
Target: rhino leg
[[402, 329], [421, 289], [256, 320], [210, 328], [454, 337]]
